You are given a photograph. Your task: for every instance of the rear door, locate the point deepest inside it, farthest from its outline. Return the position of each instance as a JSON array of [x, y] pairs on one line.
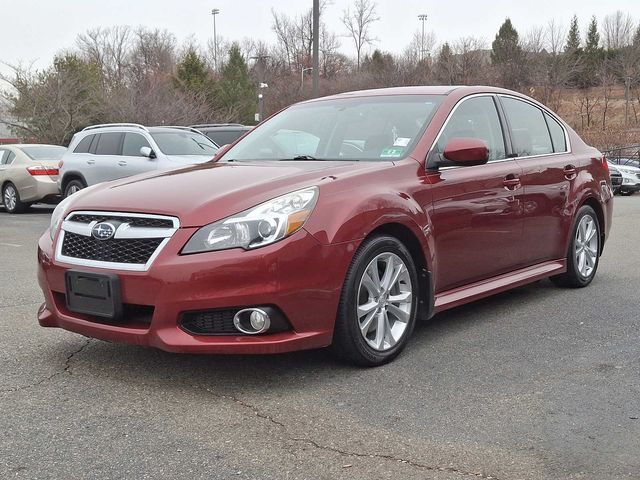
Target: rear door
[[477, 210], [548, 169], [108, 151], [4, 154]]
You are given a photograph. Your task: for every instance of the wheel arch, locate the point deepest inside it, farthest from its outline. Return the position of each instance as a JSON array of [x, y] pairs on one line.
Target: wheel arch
[[409, 239], [69, 177], [597, 207]]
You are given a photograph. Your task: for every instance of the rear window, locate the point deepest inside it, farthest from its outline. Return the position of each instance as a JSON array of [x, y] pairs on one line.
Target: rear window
[[184, 143], [44, 152], [224, 137]]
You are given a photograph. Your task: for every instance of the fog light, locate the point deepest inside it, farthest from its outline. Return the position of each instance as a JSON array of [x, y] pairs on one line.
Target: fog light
[[252, 321], [258, 319]]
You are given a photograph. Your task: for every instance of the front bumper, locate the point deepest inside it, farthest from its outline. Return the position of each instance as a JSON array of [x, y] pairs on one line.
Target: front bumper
[[300, 276]]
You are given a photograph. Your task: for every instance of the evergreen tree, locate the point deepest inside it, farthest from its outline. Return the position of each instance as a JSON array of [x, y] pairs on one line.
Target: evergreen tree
[[506, 53], [445, 67], [235, 90], [191, 73], [573, 38], [636, 38], [592, 45], [593, 56]]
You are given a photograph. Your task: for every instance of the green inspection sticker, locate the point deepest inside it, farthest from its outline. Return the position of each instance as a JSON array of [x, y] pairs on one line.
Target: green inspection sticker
[[392, 152]]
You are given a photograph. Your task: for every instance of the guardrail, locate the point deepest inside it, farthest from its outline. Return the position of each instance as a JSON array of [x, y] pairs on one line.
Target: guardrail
[[623, 154]]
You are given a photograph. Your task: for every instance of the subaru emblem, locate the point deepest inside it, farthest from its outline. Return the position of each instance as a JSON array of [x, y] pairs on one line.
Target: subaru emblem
[[103, 231]]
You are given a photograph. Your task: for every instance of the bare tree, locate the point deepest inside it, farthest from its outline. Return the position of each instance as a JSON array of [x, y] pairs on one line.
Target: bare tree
[[618, 30], [358, 23]]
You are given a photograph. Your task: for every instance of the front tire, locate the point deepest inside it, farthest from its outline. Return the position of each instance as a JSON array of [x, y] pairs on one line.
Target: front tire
[[584, 251], [11, 199], [378, 305]]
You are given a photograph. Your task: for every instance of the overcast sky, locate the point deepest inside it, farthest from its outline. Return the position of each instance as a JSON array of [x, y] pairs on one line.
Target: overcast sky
[[34, 30]]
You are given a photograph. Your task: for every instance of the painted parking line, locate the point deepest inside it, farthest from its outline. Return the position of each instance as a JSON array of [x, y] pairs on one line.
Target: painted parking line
[[9, 244]]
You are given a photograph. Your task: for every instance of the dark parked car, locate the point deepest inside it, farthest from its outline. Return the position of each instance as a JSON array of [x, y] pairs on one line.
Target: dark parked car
[[616, 179], [223, 133], [339, 221]]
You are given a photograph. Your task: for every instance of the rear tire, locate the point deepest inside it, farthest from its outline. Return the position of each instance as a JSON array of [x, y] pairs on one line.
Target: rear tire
[[73, 186], [11, 199], [584, 251], [377, 312]]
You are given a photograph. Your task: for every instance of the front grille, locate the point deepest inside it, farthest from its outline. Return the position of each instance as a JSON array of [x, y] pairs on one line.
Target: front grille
[[210, 322], [144, 222], [133, 251]]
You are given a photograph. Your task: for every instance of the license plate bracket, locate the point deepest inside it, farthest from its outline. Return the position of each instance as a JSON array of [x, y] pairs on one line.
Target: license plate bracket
[[96, 294]]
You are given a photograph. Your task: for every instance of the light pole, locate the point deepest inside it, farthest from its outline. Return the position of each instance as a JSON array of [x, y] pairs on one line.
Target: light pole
[[316, 47], [215, 12], [302, 76], [423, 18]]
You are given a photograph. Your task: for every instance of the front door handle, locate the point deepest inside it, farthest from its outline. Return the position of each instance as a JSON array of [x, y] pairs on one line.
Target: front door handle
[[570, 172], [90, 162], [122, 163], [511, 182]]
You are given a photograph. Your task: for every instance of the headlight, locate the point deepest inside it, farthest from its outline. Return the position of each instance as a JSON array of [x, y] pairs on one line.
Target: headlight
[[57, 215], [259, 226], [628, 180]]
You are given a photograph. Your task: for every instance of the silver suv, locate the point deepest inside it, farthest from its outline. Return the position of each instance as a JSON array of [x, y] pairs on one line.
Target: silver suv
[[107, 152]]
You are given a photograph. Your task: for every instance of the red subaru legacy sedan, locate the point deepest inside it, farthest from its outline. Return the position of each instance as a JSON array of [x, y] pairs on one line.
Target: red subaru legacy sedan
[[338, 221]]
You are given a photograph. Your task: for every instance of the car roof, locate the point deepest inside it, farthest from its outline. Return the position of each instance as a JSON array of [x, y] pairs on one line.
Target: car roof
[[418, 90], [21, 145], [221, 126]]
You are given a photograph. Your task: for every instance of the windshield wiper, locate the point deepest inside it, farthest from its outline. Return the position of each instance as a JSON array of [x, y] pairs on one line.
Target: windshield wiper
[[299, 157]]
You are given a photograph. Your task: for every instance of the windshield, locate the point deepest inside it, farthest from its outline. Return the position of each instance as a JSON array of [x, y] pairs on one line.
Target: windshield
[[44, 152], [357, 128], [184, 143]]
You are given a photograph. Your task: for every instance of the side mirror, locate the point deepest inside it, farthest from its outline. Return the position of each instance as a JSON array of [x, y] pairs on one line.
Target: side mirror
[[466, 151], [221, 151], [147, 152]]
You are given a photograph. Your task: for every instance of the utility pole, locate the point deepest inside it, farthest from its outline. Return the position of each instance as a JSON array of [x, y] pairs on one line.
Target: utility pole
[[215, 12], [316, 49], [422, 17]]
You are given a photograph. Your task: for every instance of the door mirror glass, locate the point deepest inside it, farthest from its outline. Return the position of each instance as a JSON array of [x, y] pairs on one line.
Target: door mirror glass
[[466, 151], [147, 152]]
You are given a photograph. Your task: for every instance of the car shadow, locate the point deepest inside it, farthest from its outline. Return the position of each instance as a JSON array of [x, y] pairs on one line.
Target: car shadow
[[290, 371]]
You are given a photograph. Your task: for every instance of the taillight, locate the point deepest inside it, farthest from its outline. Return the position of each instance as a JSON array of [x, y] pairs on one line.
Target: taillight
[[42, 170], [605, 164]]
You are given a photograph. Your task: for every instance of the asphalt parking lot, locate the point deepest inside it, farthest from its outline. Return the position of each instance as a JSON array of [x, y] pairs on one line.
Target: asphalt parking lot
[[536, 383]]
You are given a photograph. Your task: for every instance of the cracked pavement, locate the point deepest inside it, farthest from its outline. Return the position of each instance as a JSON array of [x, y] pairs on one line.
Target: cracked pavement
[[536, 383]]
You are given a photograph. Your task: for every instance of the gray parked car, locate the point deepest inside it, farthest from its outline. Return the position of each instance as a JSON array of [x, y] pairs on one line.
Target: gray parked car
[[107, 152], [223, 133]]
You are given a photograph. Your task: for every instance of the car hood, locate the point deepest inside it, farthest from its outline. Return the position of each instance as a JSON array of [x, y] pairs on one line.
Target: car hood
[[205, 193]]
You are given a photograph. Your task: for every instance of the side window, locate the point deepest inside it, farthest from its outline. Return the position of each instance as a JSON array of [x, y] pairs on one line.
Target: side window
[[109, 144], [10, 158], [557, 134], [529, 132], [84, 145], [475, 118], [3, 154], [132, 144]]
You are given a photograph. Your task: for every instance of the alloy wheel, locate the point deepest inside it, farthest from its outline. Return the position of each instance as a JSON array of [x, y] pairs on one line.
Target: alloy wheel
[[384, 301], [586, 245], [10, 197]]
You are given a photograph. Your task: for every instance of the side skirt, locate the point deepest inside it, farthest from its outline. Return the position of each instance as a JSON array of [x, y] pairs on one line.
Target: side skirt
[[475, 291]]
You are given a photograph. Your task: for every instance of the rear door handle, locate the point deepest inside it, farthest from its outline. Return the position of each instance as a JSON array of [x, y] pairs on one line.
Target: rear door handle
[[570, 172], [122, 163], [511, 182], [90, 162]]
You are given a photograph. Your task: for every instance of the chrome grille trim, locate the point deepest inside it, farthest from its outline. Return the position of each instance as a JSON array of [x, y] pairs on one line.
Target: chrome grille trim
[[123, 232]]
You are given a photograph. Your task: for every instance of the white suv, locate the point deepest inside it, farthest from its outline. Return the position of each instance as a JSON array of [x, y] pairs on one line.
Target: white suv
[[107, 152]]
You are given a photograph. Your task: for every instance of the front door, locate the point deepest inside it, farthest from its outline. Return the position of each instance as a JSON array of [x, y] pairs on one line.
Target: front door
[[476, 211]]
